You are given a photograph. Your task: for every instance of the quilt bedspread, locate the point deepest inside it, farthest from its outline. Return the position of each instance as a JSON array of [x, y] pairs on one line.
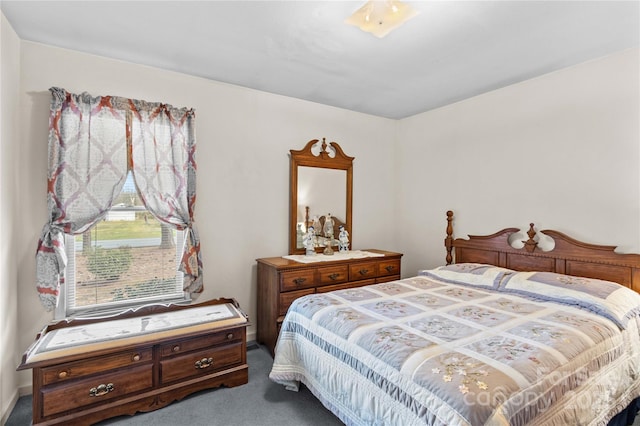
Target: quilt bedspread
[[427, 351]]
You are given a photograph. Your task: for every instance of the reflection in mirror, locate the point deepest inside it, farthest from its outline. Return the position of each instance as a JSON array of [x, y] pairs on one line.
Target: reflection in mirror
[[321, 188], [320, 192]]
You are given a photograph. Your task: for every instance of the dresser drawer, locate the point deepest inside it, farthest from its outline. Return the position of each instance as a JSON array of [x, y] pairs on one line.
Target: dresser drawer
[[386, 279], [77, 369], [103, 387], [296, 280], [333, 275], [388, 267], [180, 347], [363, 271], [200, 363], [286, 299], [345, 285]]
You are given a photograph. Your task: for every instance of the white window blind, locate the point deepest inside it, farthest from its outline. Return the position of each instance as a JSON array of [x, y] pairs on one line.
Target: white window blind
[[128, 258]]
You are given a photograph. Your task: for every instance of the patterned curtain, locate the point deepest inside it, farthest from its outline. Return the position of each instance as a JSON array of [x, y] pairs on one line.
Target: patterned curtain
[[93, 142], [163, 144], [87, 169]]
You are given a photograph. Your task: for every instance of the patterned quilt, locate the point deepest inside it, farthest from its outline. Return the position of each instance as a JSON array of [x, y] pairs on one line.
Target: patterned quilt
[[463, 345]]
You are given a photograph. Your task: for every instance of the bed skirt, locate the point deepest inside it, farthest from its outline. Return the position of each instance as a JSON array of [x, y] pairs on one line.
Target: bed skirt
[[626, 417]]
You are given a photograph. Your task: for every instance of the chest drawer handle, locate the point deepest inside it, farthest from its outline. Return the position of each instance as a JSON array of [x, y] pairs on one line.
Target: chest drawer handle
[[136, 357], [334, 276], [101, 389], [62, 374], [389, 268], [229, 336], [204, 363], [299, 281], [363, 271], [176, 348]]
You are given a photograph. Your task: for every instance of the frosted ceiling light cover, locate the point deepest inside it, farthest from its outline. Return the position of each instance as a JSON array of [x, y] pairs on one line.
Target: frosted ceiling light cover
[[381, 17]]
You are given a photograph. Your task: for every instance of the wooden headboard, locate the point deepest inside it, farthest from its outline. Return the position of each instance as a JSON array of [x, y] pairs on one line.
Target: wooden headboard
[[569, 256]]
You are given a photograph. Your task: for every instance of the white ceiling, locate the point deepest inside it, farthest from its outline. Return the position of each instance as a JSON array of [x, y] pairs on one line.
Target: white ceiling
[[451, 51]]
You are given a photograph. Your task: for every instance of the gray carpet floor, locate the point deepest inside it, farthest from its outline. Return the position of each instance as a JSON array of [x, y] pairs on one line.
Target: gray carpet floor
[[259, 402]]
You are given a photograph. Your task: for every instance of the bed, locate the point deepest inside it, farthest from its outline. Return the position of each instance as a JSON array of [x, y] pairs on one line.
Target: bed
[[503, 336]]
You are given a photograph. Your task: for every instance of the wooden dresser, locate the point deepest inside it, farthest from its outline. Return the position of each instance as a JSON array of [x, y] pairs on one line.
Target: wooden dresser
[[281, 281], [168, 353]]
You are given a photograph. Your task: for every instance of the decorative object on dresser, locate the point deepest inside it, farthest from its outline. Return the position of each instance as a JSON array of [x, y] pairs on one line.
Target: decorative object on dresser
[[343, 239], [87, 370], [281, 280], [321, 179]]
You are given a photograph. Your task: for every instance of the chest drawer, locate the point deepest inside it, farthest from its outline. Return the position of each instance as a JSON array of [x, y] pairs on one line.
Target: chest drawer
[[333, 275], [363, 271], [188, 345], [200, 363], [77, 369], [97, 389], [296, 280], [389, 267], [286, 299]]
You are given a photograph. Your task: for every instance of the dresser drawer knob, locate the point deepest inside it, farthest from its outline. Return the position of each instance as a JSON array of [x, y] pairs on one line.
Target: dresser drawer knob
[[101, 389], [229, 336], [62, 374], [299, 281], [389, 268], [363, 271], [334, 277], [204, 363], [136, 357], [176, 348]]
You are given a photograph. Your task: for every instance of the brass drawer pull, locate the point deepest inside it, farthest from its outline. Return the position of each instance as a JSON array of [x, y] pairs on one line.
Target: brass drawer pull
[[176, 348], [363, 271], [101, 389], [204, 363], [389, 268], [62, 374], [299, 281], [229, 336], [136, 357], [334, 276]]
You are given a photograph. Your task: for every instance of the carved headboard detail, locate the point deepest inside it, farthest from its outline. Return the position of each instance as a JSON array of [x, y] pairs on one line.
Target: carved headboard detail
[[569, 256]]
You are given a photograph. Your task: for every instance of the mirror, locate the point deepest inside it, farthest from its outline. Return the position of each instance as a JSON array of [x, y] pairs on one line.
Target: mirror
[[321, 188]]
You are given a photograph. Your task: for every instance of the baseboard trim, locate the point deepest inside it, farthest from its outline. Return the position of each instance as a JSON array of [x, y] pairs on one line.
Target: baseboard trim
[[12, 403], [25, 390]]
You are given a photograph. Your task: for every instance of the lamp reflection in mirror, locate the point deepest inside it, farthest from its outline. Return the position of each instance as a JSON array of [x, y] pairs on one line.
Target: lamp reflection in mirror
[[381, 17]]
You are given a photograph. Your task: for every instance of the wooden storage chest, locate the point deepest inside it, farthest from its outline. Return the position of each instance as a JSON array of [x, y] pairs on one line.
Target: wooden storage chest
[[108, 367]]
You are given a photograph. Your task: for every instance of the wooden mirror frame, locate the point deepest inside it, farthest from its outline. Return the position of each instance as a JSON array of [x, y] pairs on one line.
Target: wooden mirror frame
[[306, 158]]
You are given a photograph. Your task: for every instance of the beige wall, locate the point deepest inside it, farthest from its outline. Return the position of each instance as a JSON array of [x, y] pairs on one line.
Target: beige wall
[[9, 101], [561, 150]]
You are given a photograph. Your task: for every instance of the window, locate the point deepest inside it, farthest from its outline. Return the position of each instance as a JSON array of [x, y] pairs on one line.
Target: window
[[128, 258], [96, 145]]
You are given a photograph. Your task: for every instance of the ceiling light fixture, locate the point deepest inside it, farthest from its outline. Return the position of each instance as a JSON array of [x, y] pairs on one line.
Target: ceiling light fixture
[[381, 17]]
